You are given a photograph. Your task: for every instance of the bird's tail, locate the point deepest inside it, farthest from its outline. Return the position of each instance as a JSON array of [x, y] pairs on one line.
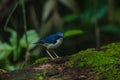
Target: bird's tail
[[35, 43], [38, 43]]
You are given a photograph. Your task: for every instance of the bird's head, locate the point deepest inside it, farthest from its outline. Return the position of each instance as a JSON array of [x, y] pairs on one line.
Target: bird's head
[[60, 34]]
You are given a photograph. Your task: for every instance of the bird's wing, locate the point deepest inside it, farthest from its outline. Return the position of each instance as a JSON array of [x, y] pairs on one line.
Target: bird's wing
[[40, 42], [50, 39]]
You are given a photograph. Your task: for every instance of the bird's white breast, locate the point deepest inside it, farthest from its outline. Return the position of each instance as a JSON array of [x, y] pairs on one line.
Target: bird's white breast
[[51, 45]]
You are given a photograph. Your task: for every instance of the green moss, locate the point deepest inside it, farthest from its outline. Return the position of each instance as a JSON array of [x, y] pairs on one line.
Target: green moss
[[40, 76], [112, 74], [100, 61], [45, 59]]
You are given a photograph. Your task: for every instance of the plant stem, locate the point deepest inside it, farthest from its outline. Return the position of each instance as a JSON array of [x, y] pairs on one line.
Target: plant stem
[[97, 30], [15, 6], [25, 29], [111, 11]]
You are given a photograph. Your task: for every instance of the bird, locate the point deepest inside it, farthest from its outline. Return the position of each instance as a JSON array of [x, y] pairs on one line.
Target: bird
[[50, 42]]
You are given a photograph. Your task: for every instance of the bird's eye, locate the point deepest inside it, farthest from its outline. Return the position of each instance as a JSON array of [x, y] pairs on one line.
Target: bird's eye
[[58, 37]]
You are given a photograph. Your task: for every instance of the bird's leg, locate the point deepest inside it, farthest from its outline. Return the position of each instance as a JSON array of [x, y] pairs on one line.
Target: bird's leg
[[55, 54], [49, 54]]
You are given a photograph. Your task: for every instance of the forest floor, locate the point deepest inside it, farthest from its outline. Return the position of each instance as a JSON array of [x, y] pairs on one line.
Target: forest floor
[[52, 70], [84, 65]]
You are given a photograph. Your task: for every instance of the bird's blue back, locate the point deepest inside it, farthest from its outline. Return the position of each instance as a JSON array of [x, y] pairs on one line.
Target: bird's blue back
[[49, 39]]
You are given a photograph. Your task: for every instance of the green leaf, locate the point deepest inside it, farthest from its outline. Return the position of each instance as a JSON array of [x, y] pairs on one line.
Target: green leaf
[[99, 14], [32, 37], [5, 50], [72, 32], [11, 67], [90, 16], [70, 17], [13, 41], [13, 38], [86, 15]]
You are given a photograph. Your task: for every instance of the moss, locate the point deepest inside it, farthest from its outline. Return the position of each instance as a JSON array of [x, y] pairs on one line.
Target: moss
[[45, 59], [100, 61], [112, 74], [40, 76]]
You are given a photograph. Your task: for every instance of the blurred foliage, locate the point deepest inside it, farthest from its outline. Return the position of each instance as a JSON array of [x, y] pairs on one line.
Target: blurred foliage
[[8, 49], [89, 16], [5, 50], [70, 17], [103, 62], [24, 21], [72, 32]]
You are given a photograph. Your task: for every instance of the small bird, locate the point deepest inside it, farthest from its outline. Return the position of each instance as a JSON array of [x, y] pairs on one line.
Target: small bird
[[50, 42]]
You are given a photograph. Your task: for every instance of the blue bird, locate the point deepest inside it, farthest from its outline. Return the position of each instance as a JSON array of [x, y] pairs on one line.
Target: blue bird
[[50, 42]]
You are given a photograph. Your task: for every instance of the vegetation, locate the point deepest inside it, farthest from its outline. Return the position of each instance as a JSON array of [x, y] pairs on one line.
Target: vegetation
[[96, 65], [87, 25], [105, 63]]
